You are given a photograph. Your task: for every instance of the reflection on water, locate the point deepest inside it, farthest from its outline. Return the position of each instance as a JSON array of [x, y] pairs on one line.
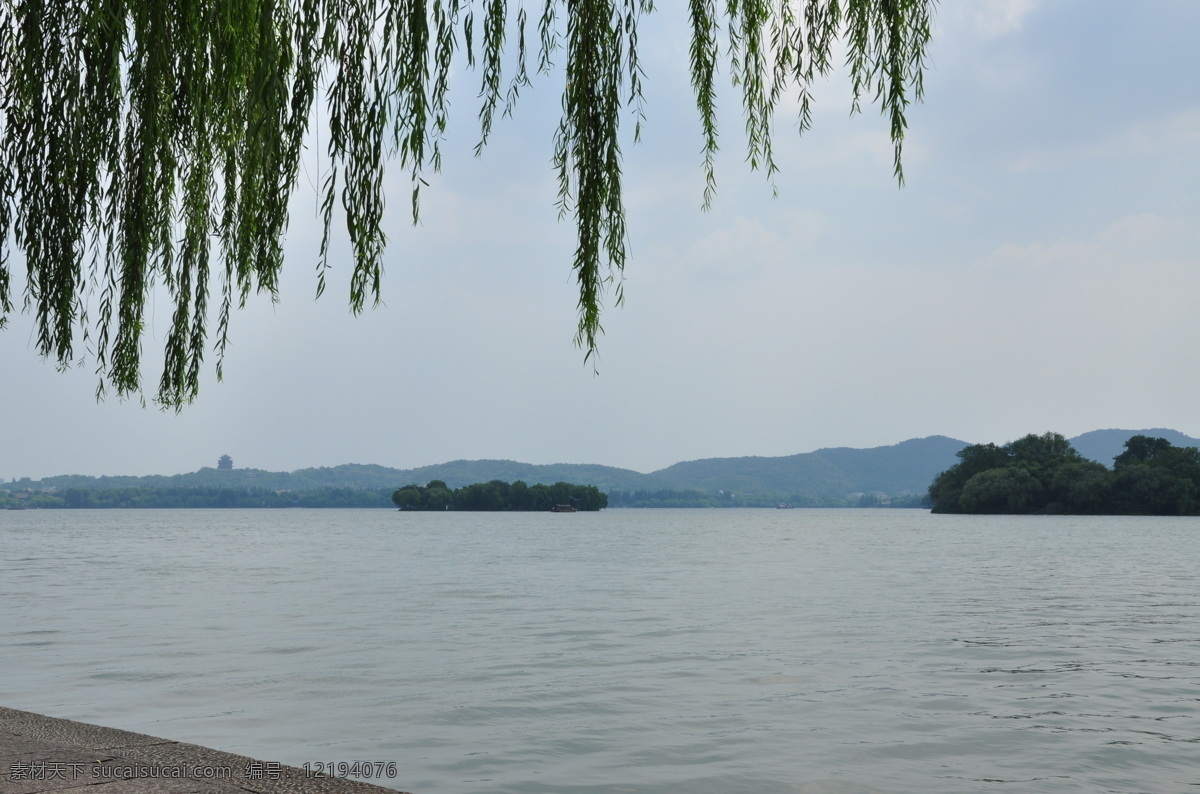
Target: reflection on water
[[814, 651]]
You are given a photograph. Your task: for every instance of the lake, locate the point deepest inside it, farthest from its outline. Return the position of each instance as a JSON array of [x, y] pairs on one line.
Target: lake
[[658, 651]]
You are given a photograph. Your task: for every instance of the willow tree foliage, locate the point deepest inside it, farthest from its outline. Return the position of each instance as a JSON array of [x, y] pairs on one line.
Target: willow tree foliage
[[157, 142]]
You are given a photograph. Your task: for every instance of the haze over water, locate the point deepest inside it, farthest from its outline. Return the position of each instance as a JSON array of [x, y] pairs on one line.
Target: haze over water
[[842, 651]]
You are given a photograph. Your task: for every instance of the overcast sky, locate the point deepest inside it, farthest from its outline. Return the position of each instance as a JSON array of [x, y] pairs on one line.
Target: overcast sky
[[1039, 271]]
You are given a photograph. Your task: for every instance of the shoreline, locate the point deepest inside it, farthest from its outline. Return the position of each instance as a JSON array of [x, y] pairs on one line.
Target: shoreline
[[42, 754]]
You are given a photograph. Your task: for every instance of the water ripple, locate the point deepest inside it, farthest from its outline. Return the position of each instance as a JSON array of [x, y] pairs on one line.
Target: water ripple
[[808, 651]]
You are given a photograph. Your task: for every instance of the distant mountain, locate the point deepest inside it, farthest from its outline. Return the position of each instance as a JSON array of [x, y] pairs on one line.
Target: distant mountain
[[354, 475], [1104, 445], [907, 467]]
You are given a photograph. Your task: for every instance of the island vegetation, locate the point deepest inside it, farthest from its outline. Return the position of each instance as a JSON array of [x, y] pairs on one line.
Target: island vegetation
[[1045, 475], [498, 495]]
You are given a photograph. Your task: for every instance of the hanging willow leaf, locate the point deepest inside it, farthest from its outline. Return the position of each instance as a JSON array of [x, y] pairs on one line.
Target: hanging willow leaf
[[139, 138]]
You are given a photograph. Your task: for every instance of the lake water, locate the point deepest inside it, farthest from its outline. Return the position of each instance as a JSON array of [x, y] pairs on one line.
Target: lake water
[[697, 651]]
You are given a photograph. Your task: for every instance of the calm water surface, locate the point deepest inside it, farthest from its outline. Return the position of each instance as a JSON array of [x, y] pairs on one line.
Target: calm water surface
[[831, 651]]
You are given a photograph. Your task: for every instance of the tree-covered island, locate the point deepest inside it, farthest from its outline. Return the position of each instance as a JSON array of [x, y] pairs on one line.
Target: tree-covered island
[[1045, 475], [498, 495]]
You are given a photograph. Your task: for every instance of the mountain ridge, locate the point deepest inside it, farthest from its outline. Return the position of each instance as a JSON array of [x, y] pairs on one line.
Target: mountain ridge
[[907, 467]]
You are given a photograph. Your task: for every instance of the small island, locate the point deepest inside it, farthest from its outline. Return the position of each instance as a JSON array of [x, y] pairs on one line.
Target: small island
[[498, 495], [1045, 475]]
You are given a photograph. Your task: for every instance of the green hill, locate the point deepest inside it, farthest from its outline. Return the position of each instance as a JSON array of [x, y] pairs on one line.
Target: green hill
[[1104, 445], [907, 467]]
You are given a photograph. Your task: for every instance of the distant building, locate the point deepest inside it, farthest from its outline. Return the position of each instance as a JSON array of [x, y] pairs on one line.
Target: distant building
[[225, 462]]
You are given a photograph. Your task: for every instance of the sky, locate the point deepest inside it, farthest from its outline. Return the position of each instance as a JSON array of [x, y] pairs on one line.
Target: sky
[[1039, 271]]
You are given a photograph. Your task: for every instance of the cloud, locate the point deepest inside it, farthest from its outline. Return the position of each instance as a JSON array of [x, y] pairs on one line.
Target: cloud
[[730, 254], [1124, 293], [988, 18], [1151, 138]]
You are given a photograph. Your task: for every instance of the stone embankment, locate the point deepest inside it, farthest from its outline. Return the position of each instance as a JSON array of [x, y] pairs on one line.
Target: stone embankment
[[45, 754]]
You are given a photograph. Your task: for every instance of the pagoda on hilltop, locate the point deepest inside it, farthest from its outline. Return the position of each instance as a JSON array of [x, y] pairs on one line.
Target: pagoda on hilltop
[[225, 462]]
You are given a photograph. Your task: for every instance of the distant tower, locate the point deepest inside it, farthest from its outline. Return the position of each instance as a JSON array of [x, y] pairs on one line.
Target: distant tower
[[225, 462]]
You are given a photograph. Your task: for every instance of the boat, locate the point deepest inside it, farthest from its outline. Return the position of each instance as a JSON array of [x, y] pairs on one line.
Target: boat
[[563, 509]]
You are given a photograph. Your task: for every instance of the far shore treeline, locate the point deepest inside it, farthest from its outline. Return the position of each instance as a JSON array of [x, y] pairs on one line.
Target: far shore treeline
[[667, 497], [1045, 475], [148, 497], [498, 495]]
